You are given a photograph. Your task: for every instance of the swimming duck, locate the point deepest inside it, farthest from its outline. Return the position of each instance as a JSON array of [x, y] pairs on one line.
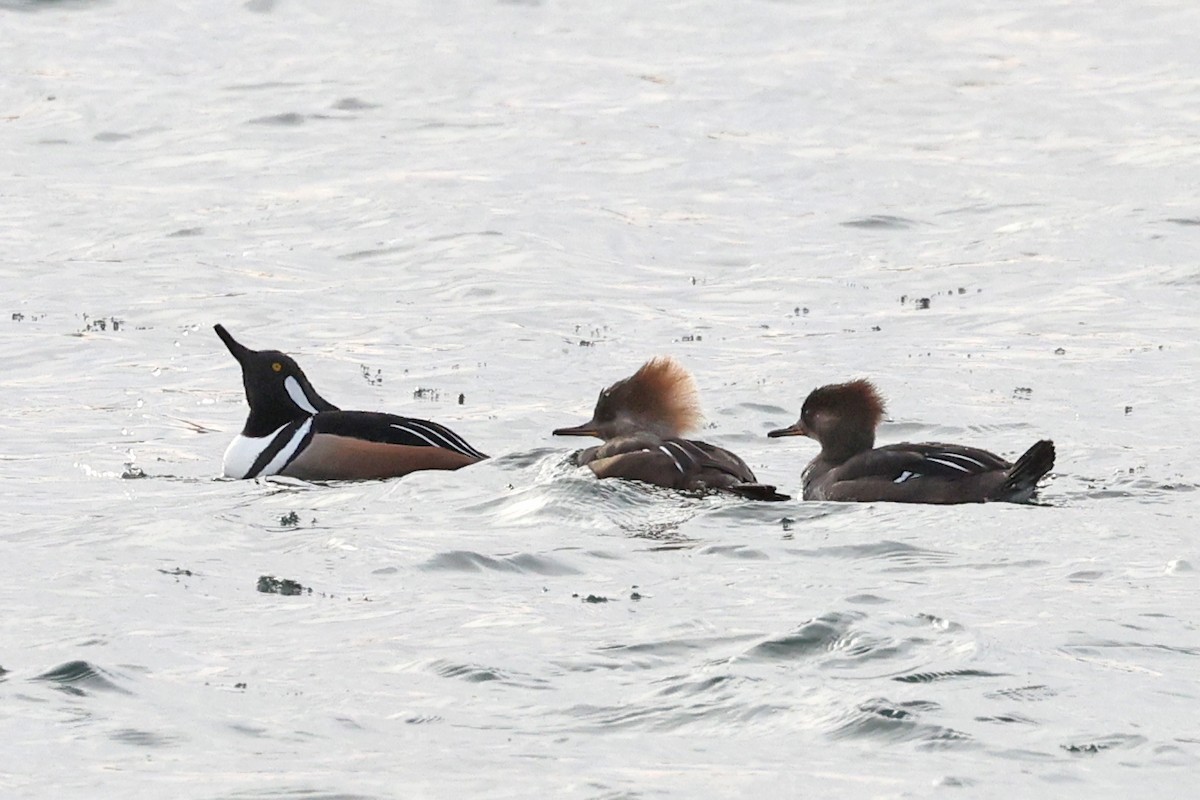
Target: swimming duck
[[842, 418], [642, 420], [292, 430]]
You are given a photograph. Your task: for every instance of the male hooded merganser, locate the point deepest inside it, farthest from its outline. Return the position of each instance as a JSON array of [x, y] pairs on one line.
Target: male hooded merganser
[[642, 419], [842, 418], [294, 431]]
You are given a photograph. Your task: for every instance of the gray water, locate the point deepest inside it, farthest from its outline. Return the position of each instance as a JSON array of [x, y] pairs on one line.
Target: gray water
[[518, 202]]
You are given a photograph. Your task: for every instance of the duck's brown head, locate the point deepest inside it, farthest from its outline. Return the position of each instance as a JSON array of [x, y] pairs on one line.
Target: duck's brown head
[[659, 398], [841, 416]]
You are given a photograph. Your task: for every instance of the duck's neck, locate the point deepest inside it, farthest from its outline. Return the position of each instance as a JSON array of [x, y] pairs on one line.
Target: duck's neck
[[845, 442]]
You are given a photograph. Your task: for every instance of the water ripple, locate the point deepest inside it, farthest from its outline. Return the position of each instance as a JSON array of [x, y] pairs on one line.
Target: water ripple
[[881, 221], [818, 635], [474, 673], [142, 738], [467, 561], [79, 677], [659, 653], [906, 555], [880, 718]]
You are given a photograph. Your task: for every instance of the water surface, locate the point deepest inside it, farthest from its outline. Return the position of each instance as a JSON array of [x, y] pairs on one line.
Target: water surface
[[989, 211]]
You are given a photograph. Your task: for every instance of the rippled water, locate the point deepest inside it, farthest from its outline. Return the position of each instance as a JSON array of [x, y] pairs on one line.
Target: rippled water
[[991, 211]]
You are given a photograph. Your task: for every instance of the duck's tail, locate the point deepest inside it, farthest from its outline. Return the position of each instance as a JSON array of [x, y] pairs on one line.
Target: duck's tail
[[757, 491], [1023, 476]]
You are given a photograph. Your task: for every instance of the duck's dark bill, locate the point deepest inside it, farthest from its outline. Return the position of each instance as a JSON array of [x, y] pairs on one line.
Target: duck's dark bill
[[586, 429], [237, 349], [791, 430]]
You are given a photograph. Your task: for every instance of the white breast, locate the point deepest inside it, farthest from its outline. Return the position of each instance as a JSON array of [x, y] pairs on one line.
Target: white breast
[[244, 451]]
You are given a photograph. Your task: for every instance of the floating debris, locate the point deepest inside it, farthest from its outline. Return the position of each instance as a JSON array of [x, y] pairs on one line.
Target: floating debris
[[132, 473], [373, 380], [290, 519], [101, 324], [269, 584]]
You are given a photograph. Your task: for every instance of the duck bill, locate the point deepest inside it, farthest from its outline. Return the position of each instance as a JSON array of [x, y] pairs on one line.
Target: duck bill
[[238, 350], [586, 429], [792, 430]]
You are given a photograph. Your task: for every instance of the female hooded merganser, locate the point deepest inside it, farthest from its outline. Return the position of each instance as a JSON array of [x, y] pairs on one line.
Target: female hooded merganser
[[842, 418], [294, 431], [642, 419]]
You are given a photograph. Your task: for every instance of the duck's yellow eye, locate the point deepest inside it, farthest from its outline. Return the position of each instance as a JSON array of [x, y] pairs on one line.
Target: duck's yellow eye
[[277, 367]]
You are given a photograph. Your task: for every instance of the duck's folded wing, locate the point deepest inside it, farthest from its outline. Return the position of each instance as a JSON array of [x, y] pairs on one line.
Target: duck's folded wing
[[706, 456], [674, 463], [382, 428], [717, 467], [899, 463]]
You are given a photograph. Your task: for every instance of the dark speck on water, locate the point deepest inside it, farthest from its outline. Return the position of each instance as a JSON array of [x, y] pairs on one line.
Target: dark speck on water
[[290, 519], [372, 379], [353, 104], [289, 119], [269, 584]]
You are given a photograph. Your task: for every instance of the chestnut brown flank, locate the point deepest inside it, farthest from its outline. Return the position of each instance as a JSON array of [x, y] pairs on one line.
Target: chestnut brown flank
[[329, 457]]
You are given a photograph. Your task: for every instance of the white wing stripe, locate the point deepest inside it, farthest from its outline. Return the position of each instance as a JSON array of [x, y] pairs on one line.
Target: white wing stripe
[[417, 434], [671, 456], [453, 440], [436, 434], [462, 444], [905, 475], [958, 467], [962, 457]]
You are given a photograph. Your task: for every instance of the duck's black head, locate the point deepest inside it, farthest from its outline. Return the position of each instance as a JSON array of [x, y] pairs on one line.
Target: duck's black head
[[276, 388]]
